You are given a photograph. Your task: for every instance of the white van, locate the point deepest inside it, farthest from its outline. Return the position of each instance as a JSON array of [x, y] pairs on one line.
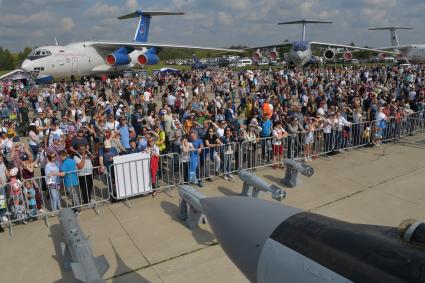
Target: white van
[[244, 63]]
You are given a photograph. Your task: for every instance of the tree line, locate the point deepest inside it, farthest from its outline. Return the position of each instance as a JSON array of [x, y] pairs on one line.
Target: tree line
[[11, 61]]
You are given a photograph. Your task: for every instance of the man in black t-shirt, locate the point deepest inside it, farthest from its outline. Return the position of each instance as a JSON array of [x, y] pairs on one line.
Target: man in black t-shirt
[[212, 150]]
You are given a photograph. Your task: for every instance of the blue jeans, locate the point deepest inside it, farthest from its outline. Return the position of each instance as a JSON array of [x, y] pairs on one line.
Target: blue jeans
[[73, 191], [55, 194], [227, 164]]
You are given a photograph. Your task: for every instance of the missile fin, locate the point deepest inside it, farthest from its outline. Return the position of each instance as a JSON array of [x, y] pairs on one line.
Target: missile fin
[[102, 264], [78, 271]]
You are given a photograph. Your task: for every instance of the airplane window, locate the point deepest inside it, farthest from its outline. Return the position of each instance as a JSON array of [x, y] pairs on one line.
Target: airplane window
[[37, 53]]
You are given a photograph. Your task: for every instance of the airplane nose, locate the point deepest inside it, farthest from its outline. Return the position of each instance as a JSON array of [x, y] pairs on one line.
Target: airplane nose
[[26, 65], [253, 220]]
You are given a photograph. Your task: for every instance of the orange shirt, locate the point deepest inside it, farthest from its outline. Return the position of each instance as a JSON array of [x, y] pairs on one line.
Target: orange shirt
[[267, 111]]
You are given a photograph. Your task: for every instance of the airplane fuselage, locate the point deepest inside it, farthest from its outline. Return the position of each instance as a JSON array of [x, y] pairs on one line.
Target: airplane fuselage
[[300, 53], [77, 59], [414, 53]]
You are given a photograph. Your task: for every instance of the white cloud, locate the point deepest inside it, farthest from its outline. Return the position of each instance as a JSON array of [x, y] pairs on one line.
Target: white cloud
[[66, 24], [224, 18], [100, 9], [132, 5]]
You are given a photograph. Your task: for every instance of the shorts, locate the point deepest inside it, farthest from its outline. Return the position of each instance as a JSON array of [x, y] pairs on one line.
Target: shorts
[[278, 149]]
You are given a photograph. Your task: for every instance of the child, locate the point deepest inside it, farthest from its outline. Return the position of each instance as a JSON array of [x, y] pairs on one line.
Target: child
[[31, 202], [17, 200]]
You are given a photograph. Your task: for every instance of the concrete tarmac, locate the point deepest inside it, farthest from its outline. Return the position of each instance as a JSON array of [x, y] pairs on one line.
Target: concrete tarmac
[[147, 243]]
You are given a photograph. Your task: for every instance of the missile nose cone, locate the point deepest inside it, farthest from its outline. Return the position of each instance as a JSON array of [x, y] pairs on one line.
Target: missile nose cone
[[242, 225]]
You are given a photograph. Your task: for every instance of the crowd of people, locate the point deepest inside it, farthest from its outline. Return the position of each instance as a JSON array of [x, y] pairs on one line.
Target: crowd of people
[[62, 131]]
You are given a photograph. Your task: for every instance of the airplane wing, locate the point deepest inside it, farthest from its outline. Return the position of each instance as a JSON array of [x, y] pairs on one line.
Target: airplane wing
[[269, 46], [354, 48], [114, 45]]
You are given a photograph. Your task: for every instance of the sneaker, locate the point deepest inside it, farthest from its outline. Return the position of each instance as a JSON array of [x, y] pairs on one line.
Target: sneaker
[[217, 173], [25, 222], [226, 178], [305, 159], [4, 219], [209, 179], [230, 177], [41, 211], [76, 211]]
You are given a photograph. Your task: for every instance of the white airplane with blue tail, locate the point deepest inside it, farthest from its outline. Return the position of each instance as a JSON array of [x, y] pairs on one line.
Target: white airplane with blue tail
[[91, 58]]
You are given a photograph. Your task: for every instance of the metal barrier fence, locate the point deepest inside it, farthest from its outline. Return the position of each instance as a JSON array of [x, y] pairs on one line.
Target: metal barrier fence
[[209, 162], [40, 197], [263, 152], [26, 200], [140, 177]]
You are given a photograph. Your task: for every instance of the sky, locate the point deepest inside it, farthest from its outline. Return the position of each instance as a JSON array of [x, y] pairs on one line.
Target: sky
[[215, 23]]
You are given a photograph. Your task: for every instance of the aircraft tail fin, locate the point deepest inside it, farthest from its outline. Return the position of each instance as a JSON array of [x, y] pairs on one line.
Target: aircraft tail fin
[[142, 30], [304, 22], [393, 33]]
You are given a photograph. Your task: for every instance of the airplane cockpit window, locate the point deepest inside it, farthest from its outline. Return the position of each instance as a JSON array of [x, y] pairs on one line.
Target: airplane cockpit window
[[39, 53], [300, 46]]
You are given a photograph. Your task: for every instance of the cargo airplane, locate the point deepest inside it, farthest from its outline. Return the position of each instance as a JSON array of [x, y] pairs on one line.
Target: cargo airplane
[[99, 57], [413, 53], [301, 53]]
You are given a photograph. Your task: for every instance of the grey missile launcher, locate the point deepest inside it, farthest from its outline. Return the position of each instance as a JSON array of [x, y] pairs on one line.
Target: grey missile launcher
[[274, 243], [190, 209], [293, 167], [253, 185], [77, 252]]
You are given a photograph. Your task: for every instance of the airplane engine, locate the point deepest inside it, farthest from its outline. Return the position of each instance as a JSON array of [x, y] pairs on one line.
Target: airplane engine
[[257, 56], [273, 55], [119, 57], [329, 54], [148, 58], [347, 56]]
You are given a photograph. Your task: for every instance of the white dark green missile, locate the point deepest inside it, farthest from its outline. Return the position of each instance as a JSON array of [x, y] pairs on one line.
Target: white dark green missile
[[80, 258], [271, 243]]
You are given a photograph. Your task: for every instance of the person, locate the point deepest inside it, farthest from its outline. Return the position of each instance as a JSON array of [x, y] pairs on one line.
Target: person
[[212, 148], [106, 160], [381, 125], [279, 134], [124, 133], [29, 192], [133, 147], [194, 170], [228, 143], [16, 197], [79, 140], [85, 173], [68, 170], [33, 140], [153, 150], [310, 127], [186, 148], [53, 182], [175, 138]]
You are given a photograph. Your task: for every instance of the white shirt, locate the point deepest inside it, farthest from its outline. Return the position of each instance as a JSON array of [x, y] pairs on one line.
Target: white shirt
[[87, 168]]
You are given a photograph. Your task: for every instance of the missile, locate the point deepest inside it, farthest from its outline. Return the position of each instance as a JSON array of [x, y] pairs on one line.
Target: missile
[[77, 251], [271, 243], [251, 180], [293, 167], [190, 209]]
